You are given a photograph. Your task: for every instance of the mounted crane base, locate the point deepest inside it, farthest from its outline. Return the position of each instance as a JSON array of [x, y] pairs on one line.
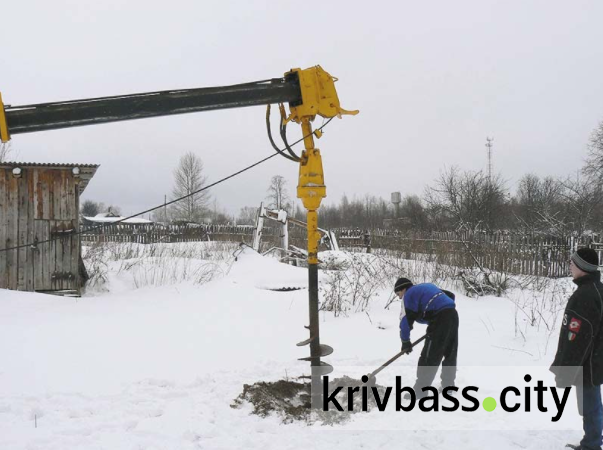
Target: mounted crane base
[[309, 92]]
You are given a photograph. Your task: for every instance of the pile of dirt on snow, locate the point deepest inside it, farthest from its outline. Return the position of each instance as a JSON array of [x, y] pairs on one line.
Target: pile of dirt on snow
[[290, 400]]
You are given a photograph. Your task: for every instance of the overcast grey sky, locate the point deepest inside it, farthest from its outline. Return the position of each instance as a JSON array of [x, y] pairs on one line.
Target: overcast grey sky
[[431, 80]]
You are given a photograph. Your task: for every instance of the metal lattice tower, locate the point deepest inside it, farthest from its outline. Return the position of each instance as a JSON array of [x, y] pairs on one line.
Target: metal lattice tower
[[489, 145]]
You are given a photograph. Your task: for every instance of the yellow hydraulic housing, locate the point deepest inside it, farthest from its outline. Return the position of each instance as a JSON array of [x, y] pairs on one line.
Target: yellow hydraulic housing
[[311, 188], [319, 97], [4, 135]]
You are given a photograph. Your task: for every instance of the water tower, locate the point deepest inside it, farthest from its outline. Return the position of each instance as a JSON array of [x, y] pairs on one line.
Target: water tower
[[396, 200]]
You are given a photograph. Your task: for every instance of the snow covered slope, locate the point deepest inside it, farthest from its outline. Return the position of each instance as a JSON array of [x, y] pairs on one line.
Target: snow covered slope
[[158, 367]]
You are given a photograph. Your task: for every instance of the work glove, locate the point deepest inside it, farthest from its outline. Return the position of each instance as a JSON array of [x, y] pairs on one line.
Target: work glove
[[406, 347]]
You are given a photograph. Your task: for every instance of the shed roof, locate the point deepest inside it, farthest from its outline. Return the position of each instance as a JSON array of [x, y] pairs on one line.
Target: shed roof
[[87, 171]]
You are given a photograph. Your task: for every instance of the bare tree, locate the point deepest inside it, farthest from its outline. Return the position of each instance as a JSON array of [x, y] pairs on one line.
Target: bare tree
[[218, 215], [594, 162], [188, 178], [539, 203], [5, 150], [90, 208], [161, 215], [584, 196], [413, 211], [247, 215], [277, 193], [467, 199]]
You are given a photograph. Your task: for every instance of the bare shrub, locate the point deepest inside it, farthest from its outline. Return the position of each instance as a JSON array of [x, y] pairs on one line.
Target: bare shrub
[[354, 285], [164, 271], [539, 302], [96, 266], [157, 264]]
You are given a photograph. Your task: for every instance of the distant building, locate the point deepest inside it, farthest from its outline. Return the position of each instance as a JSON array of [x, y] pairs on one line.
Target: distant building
[[110, 217]]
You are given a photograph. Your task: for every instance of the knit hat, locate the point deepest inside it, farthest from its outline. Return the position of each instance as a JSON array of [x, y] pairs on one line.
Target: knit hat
[[586, 259], [402, 283]]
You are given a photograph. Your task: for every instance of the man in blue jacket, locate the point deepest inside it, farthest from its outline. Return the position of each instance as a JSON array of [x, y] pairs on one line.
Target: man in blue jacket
[[427, 304]]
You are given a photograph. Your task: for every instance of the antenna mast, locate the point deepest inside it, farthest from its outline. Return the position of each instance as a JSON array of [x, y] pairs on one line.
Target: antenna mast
[[489, 145]]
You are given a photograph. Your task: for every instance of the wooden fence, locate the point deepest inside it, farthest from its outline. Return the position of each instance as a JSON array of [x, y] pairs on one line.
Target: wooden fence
[[156, 233], [513, 253], [499, 251]]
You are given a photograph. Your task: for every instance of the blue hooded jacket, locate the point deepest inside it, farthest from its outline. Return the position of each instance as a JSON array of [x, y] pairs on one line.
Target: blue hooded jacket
[[421, 303]]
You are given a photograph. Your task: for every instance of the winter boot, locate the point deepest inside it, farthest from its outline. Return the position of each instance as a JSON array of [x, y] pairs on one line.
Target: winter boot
[[449, 392]]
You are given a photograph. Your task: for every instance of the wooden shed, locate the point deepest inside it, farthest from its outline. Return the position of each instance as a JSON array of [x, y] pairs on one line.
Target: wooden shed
[[40, 202]]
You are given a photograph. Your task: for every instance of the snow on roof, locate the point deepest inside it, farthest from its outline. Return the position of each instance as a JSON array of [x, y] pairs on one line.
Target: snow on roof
[[101, 218], [53, 165]]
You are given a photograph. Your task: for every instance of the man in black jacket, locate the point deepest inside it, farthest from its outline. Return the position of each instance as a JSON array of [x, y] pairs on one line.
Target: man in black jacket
[[581, 346]]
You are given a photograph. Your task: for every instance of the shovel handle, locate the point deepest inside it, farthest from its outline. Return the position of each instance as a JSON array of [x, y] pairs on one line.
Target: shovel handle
[[396, 356]]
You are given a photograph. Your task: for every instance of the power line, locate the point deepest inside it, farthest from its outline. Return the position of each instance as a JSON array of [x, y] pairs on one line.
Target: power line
[[162, 205]]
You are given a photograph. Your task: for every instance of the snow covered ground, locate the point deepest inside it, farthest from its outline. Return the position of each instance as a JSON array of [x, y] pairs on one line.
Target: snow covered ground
[[149, 365]]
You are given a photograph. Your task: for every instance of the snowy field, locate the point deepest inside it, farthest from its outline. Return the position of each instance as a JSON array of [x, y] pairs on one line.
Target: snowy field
[[153, 358]]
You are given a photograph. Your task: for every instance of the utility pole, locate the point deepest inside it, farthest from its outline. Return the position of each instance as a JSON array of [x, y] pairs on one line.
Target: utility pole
[[489, 145], [165, 217]]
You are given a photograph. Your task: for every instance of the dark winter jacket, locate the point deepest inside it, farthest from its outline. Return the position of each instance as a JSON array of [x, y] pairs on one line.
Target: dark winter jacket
[[581, 338], [421, 304]]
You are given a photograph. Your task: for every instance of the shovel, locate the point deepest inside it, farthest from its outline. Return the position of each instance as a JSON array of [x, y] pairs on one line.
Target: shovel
[[372, 376]]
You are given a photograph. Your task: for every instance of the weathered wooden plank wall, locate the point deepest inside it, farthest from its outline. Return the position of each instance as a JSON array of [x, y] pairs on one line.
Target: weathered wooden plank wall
[[39, 205], [3, 228]]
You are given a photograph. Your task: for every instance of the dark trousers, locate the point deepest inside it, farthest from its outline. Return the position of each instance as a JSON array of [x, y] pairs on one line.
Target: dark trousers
[[591, 410], [441, 344]]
